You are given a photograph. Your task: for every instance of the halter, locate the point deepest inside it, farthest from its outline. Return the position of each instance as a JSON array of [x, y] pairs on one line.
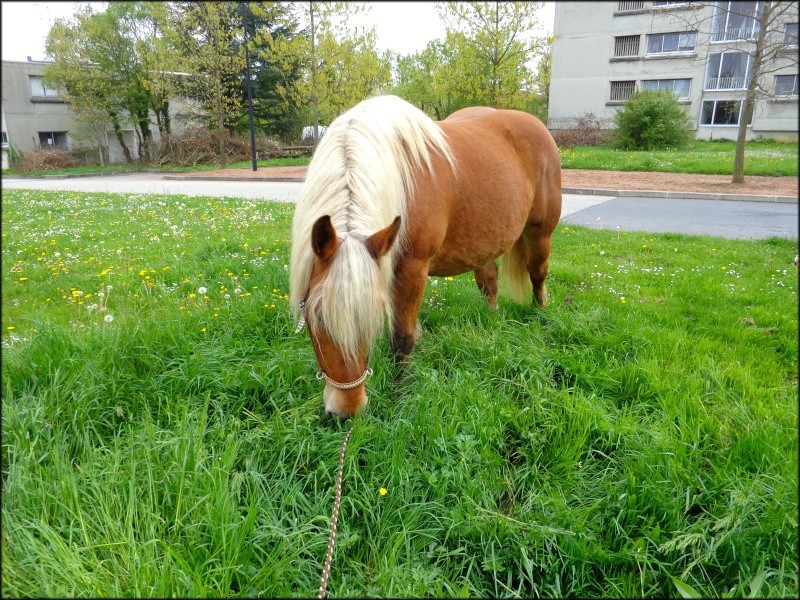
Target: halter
[[345, 386], [322, 374]]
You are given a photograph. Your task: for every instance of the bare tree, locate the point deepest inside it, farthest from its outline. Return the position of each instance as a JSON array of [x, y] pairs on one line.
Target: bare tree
[[757, 29]]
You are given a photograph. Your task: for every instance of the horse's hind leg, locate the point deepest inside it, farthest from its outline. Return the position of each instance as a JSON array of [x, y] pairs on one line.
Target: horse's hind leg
[[486, 278], [538, 253]]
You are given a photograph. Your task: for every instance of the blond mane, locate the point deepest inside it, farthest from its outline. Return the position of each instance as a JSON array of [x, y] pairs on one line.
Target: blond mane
[[361, 176]]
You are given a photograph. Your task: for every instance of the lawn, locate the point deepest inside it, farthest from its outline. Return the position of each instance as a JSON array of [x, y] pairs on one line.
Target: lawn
[[713, 158], [162, 432]]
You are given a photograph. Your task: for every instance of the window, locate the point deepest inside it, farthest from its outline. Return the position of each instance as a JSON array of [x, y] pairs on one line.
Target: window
[[727, 71], [627, 45], [679, 87], [790, 34], [622, 90], [660, 43], [50, 140], [735, 21], [670, 2], [5, 138], [38, 88], [786, 85], [721, 112]]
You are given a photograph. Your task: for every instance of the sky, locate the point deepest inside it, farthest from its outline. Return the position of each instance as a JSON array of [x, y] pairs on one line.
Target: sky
[[404, 27]]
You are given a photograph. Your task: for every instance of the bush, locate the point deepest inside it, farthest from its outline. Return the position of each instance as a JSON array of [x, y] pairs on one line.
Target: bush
[[652, 120], [588, 131], [45, 160]]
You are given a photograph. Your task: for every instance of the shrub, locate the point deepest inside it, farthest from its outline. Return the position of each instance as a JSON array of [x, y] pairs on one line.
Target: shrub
[[652, 120], [587, 131], [45, 160]]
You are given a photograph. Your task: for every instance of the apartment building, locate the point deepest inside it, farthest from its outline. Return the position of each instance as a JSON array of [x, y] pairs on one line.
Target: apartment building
[[35, 116], [701, 51]]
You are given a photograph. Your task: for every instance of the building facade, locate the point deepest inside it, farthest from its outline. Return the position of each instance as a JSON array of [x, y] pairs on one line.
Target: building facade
[[701, 51], [35, 117]]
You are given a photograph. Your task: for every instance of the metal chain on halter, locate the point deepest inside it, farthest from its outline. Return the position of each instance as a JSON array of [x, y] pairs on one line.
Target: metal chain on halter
[[326, 566]]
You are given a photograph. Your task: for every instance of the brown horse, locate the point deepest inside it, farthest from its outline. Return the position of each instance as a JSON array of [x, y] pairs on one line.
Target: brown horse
[[391, 197]]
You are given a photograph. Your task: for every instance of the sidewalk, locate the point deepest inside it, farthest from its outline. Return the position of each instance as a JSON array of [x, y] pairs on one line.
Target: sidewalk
[[585, 182]]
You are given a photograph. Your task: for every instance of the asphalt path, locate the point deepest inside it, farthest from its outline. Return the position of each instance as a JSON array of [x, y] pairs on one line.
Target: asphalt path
[[723, 218]]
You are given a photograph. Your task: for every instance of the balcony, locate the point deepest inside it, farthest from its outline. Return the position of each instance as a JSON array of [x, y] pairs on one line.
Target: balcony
[[625, 6], [726, 83], [741, 33]]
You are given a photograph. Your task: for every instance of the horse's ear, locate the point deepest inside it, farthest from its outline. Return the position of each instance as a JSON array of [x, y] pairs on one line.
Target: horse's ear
[[323, 238], [379, 243]]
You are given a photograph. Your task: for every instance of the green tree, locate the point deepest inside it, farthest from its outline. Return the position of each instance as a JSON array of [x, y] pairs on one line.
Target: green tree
[[339, 63], [106, 62], [206, 34], [267, 21], [495, 43]]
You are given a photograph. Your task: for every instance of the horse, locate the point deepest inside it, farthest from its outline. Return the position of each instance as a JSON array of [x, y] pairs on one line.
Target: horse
[[391, 197]]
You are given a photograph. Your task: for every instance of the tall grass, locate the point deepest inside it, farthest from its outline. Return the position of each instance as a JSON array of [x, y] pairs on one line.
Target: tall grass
[[637, 438]]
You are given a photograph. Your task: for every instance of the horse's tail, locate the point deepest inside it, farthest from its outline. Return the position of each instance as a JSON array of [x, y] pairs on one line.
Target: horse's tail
[[514, 272]]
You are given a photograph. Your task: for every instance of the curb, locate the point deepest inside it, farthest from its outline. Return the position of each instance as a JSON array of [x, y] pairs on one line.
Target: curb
[[680, 195], [78, 175], [224, 178]]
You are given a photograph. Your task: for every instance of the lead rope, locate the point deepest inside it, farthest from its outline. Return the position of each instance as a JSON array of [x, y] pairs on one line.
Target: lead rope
[[326, 567]]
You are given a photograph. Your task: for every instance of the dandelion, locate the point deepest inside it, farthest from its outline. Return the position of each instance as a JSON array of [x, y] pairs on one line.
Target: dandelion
[[383, 491], [108, 318], [10, 328], [202, 291]]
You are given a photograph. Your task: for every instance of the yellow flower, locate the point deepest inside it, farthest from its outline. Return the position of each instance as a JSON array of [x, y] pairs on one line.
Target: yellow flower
[[383, 491]]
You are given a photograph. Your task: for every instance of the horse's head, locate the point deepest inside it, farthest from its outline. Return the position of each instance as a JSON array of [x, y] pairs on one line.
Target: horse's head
[[345, 307]]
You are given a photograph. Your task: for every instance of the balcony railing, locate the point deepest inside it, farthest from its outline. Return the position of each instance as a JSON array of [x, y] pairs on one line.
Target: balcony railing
[[726, 83], [742, 33], [631, 5]]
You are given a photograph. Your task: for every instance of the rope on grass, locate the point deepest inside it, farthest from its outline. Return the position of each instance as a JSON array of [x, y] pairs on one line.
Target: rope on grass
[[326, 567]]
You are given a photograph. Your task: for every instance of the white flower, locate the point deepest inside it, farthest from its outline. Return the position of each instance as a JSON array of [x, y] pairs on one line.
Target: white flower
[[202, 291], [108, 318]]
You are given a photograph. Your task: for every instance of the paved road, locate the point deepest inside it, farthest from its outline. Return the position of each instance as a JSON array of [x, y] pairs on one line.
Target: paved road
[[722, 218], [732, 219]]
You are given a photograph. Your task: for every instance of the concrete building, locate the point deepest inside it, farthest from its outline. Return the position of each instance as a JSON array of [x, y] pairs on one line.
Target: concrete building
[[35, 116], [701, 51]]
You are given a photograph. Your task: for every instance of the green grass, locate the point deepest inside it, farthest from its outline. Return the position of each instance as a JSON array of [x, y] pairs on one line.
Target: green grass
[[713, 158], [124, 168], [636, 438]]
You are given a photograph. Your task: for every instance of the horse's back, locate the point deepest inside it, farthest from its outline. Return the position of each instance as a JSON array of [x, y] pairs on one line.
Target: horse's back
[[508, 148], [506, 181]]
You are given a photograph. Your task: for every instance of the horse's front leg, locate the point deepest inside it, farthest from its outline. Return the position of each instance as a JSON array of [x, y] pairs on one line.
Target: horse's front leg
[[410, 278]]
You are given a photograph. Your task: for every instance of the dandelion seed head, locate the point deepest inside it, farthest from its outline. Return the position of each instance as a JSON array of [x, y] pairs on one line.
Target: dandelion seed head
[[108, 318]]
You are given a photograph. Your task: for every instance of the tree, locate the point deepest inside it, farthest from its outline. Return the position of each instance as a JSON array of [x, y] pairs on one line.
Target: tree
[[100, 62], [756, 29], [496, 47], [206, 33], [266, 21], [339, 64]]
